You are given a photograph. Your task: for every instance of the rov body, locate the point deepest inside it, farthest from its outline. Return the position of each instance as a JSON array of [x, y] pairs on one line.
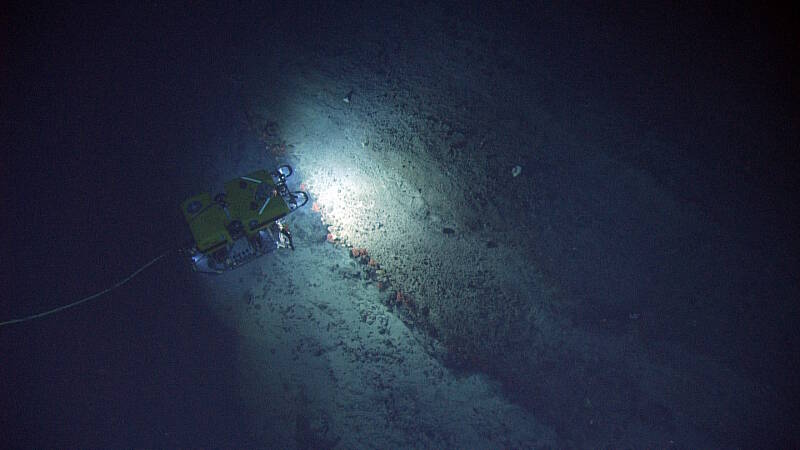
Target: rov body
[[244, 222]]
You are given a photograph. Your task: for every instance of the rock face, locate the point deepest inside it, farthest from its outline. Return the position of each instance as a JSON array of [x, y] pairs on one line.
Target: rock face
[[325, 363], [577, 286]]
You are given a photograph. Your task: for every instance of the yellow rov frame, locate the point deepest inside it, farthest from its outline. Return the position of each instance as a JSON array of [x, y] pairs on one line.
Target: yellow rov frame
[[244, 222]]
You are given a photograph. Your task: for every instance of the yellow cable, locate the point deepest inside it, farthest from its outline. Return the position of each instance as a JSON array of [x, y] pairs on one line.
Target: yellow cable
[[84, 300]]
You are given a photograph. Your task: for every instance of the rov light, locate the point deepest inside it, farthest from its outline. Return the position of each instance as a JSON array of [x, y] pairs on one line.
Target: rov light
[[342, 197]]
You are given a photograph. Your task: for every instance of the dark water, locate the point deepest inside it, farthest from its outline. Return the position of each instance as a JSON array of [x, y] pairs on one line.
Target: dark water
[[104, 110]]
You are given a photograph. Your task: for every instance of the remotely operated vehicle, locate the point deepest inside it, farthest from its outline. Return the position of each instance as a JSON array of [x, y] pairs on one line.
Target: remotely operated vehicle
[[244, 222]]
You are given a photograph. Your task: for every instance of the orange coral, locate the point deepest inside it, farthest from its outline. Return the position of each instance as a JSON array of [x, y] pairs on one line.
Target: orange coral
[[404, 299], [315, 207], [276, 149]]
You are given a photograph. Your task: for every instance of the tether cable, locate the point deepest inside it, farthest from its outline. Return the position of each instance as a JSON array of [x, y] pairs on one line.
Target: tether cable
[[91, 297]]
